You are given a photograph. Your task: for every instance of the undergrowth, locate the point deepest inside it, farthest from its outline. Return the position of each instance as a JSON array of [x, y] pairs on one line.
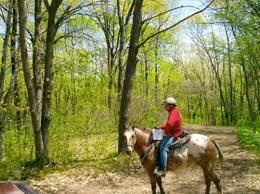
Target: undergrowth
[[248, 139], [89, 155]]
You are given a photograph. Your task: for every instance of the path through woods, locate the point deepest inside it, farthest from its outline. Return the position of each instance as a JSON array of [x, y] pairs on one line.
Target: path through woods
[[239, 174]]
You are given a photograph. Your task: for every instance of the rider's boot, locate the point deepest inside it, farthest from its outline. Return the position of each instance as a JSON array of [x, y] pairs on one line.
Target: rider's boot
[[157, 168], [161, 172]]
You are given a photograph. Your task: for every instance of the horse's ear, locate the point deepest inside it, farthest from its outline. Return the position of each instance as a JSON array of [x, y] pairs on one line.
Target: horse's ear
[[134, 126], [125, 126]]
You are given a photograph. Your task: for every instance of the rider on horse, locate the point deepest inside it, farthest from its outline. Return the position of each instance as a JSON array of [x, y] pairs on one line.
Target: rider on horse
[[171, 130]]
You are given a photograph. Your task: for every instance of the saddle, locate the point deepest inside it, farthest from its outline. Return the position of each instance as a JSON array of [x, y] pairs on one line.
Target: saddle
[[176, 144], [180, 141]]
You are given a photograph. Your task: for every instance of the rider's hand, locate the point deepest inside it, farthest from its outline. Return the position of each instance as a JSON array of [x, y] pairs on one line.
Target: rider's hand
[[163, 132]]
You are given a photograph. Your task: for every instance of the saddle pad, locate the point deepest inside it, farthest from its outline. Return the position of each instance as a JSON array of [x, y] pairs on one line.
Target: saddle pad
[[157, 134]]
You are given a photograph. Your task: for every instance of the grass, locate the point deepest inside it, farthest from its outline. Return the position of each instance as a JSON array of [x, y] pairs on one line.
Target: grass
[[248, 139], [89, 155]]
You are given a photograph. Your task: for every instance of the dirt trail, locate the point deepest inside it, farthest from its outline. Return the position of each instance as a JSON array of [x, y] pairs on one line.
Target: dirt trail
[[239, 174]]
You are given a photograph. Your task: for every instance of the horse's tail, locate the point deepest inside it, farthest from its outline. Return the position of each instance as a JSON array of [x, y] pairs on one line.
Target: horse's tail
[[220, 153]]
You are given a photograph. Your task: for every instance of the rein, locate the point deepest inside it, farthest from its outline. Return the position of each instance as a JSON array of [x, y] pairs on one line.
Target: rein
[[143, 156], [144, 153]]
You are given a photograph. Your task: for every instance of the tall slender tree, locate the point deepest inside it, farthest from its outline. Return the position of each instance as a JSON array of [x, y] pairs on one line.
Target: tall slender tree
[[130, 71], [34, 109], [2, 78], [52, 28]]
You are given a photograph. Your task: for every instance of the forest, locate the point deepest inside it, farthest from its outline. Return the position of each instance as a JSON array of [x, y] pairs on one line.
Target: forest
[[75, 72]]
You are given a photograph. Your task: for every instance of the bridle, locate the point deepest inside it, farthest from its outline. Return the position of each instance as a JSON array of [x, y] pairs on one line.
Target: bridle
[[130, 144]]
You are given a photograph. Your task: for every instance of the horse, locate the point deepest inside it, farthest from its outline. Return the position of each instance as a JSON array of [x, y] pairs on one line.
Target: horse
[[15, 187], [200, 150]]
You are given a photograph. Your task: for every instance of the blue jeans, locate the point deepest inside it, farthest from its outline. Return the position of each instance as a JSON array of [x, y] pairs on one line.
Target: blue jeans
[[164, 149]]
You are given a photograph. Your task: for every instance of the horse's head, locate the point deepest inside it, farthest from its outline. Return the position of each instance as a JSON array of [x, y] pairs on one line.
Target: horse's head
[[129, 140]]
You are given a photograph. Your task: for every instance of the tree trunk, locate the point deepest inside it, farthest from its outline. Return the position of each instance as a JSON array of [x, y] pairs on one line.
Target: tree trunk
[[2, 81], [122, 28], [231, 110], [120, 60], [48, 77], [156, 78], [249, 102], [130, 72], [47, 87], [218, 79], [15, 75], [36, 62], [110, 88], [110, 61], [146, 76], [28, 82], [14, 61], [4, 54]]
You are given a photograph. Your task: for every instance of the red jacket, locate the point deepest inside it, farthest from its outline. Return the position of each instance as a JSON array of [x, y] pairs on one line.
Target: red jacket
[[173, 127]]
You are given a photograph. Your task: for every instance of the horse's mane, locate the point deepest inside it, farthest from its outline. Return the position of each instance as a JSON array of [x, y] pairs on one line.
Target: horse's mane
[[144, 134], [144, 129], [25, 188]]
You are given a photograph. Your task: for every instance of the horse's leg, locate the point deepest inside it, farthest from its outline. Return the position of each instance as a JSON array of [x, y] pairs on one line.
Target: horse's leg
[[216, 181], [153, 179], [207, 180], [159, 182]]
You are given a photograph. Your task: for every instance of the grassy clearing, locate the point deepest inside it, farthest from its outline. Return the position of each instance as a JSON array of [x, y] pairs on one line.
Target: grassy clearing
[[89, 155]]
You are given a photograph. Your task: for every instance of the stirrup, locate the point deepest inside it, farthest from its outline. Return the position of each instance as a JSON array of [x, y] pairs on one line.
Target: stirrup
[[157, 168], [161, 173]]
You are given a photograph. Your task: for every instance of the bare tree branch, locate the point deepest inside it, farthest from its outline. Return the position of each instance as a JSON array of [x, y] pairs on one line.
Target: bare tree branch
[[30, 34], [172, 26], [69, 12], [64, 15], [129, 13], [72, 35], [213, 23], [4, 8], [170, 10], [2, 15], [47, 5]]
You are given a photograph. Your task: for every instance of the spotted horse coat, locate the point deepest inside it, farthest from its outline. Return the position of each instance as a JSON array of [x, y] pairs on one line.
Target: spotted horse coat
[[200, 150]]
